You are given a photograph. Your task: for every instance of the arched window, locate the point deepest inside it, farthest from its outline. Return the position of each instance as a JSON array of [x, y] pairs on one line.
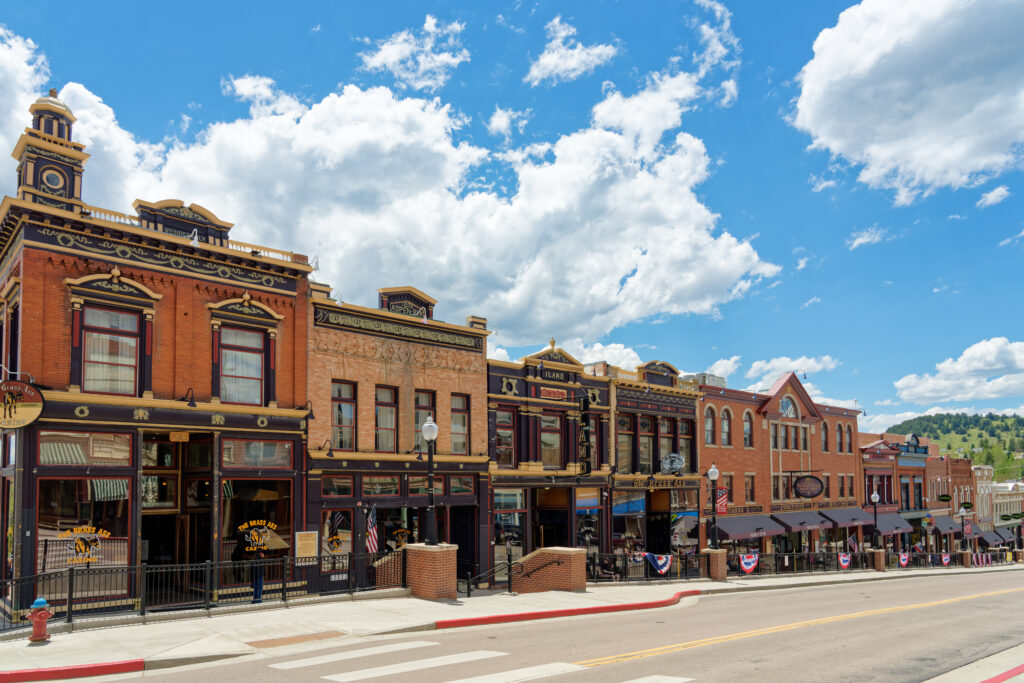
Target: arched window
[[709, 425], [748, 430], [839, 438], [726, 427], [849, 439], [824, 437]]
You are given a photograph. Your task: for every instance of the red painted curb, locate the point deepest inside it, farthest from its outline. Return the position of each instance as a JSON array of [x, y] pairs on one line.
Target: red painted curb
[[78, 671], [552, 614], [1006, 675]]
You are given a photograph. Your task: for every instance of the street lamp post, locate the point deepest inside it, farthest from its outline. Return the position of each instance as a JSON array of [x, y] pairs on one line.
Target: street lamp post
[[713, 478], [430, 434], [874, 531], [963, 535]]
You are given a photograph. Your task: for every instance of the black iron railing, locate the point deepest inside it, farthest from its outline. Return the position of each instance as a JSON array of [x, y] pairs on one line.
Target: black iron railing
[[739, 564], [637, 567]]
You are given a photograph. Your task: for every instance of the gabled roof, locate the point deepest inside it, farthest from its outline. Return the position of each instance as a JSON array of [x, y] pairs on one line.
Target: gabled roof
[[552, 354], [790, 380]]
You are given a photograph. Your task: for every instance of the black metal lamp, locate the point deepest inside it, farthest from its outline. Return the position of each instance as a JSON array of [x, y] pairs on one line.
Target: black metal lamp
[[430, 434], [190, 396], [874, 531], [330, 449], [713, 478]]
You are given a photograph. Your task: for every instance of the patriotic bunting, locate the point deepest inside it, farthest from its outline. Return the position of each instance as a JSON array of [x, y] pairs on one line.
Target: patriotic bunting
[[748, 562], [659, 562], [945, 559], [844, 560], [904, 559]]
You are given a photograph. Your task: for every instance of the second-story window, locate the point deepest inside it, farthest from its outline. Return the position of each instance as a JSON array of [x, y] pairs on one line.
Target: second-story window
[[343, 415], [803, 439], [460, 424], [748, 487], [839, 438], [709, 425], [645, 445], [386, 411], [424, 408], [726, 427], [551, 440], [666, 436], [748, 430], [624, 444], [241, 366], [504, 438], [824, 437], [775, 436], [849, 439], [111, 351]]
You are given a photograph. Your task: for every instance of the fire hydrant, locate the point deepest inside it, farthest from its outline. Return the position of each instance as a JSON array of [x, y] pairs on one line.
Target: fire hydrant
[[38, 617]]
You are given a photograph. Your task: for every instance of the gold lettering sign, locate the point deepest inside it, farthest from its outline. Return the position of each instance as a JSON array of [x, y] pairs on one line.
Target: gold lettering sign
[[657, 484], [180, 437], [23, 404]]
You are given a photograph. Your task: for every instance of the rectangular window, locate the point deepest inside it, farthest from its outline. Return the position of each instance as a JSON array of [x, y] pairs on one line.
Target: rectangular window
[[383, 486], [256, 454], [905, 497], [159, 454], [343, 415], [386, 420], [460, 424], [460, 485], [803, 438], [551, 440], [842, 486], [92, 511], [749, 488], [777, 487], [197, 494], [241, 366], [110, 355], [787, 488], [424, 404], [331, 485], [727, 485], [418, 486], [336, 535], [645, 445], [666, 436], [748, 431], [624, 444], [87, 449], [785, 437], [504, 438], [159, 492], [775, 436], [918, 496], [827, 480]]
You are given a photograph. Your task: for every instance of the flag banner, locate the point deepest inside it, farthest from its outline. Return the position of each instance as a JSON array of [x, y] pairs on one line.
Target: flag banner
[[968, 527], [975, 560], [918, 547], [371, 530], [904, 559], [748, 563], [852, 543], [637, 558], [721, 501], [844, 560], [945, 559], [660, 562]]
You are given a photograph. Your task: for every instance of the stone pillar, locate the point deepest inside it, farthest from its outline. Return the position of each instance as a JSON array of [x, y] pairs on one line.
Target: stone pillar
[[717, 568], [965, 558], [879, 560], [430, 570]]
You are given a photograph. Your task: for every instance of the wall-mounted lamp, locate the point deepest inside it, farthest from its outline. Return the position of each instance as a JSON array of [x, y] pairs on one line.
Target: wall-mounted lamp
[[330, 449], [189, 396], [193, 239], [309, 407]]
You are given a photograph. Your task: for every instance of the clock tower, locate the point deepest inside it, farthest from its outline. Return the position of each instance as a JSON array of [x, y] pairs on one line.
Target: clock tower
[[49, 163]]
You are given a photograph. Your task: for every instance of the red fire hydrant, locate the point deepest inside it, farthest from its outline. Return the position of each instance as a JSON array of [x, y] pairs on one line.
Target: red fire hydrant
[[38, 617]]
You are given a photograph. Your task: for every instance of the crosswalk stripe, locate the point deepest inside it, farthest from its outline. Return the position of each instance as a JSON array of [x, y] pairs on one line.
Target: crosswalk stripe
[[351, 654], [405, 667], [660, 679], [528, 674]]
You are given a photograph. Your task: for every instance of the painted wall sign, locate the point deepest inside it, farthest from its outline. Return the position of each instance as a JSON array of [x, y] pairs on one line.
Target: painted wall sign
[[808, 486], [83, 543], [23, 404], [546, 392], [256, 534]]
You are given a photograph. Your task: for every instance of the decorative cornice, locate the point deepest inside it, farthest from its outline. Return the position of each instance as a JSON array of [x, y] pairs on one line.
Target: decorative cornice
[[427, 333]]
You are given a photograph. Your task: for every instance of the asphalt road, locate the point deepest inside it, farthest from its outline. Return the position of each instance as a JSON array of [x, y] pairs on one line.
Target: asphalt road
[[901, 630]]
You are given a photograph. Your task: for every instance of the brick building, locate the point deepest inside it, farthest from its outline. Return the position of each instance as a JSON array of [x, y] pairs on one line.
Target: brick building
[[375, 375], [768, 446], [171, 361]]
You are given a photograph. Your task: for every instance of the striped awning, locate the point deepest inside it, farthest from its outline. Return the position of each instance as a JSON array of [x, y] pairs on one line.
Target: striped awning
[[108, 489], [59, 453]]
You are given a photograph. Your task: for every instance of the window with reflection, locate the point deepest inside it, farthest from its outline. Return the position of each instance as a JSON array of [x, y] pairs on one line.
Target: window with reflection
[[336, 532], [748, 430], [343, 415], [509, 527], [726, 427], [551, 441], [258, 454], [824, 437], [424, 405], [381, 485], [241, 366], [335, 485], [460, 424], [504, 438], [89, 449], [419, 486], [110, 351], [645, 444], [624, 443], [709, 425], [461, 484], [82, 522], [256, 516]]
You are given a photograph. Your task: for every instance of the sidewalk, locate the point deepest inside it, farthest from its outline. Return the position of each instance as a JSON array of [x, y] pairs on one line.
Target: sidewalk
[[100, 646]]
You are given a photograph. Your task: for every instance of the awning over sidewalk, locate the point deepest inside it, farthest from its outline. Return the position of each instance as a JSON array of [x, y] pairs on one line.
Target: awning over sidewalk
[[801, 521], [890, 523], [846, 517], [736, 528], [1006, 534], [944, 524], [991, 538]]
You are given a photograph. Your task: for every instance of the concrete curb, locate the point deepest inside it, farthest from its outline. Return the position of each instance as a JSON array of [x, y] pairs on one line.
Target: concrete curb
[[79, 671]]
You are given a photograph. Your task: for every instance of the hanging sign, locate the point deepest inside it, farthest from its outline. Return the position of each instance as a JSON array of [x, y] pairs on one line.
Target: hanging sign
[[23, 404], [945, 497], [808, 486], [721, 501]]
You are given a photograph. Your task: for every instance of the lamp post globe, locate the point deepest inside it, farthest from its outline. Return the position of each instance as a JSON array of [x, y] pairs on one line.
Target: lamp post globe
[[874, 531], [963, 536], [429, 431], [713, 478]]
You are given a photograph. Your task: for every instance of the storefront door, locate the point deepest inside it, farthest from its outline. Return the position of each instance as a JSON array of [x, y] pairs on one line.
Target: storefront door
[[463, 528]]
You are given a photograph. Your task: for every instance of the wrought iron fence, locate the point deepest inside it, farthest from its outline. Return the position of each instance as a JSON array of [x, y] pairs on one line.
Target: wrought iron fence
[[86, 591], [640, 567], [743, 564], [915, 560]]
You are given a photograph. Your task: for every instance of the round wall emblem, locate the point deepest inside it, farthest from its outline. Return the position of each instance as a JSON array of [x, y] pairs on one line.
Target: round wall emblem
[[808, 486]]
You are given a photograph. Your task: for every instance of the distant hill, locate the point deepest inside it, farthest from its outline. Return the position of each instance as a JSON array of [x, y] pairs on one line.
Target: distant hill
[[996, 440]]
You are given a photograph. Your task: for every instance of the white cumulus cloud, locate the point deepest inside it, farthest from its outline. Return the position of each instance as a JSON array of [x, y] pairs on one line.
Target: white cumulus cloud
[[616, 354], [993, 197], [991, 368], [872, 235], [503, 121], [769, 370], [920, 94], [23, 74], [565, 58], [421, 62], [723, 367]]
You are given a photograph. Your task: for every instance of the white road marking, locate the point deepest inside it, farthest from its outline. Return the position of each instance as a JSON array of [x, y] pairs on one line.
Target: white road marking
[[351, 654], [659, 679], [405, 667], [529, 674]]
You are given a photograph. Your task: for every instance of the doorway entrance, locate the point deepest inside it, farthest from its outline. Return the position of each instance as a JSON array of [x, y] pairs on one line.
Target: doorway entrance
[[175, 498]]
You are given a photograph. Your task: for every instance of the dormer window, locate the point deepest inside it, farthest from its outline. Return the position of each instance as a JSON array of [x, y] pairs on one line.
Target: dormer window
[[787, 407]]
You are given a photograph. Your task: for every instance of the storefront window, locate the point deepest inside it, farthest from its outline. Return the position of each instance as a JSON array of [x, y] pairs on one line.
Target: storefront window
[[588, 519], [628, 513], [509, 529], [256, 518], [197, 494], [504, 446], [509, 499], [461, 485], [85, 448], [336, 532], [159, 454], [551, 440], [82, 522], [399, 526], [199, 455], [159, 492], [380, 486], [239, 453], [331, 485], [7, 510], [418, 486]]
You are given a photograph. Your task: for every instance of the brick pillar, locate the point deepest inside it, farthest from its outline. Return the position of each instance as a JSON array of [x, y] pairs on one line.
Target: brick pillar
[[879, 560], [717, 568], [552, 569], [965, 558], [430, 570]]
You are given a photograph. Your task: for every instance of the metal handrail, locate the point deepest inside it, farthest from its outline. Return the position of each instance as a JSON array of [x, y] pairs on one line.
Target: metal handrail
[[492, 572]]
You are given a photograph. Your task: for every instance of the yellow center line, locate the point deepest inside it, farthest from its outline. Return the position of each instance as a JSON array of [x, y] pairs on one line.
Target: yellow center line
[[666, 649]]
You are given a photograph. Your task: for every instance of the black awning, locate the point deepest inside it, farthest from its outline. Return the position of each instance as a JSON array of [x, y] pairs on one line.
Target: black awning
[[1007, 534], [846, 517], [890, 523], [801, 521], [738, 527], [945, 524], [991, 538], [972, 534]]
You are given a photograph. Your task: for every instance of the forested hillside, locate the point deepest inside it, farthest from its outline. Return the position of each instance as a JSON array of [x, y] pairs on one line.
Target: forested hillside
[[991, 439]]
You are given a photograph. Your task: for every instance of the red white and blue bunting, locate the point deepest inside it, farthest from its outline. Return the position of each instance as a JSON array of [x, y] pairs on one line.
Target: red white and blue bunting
[[748, 563], [844, 560], [660, 562], [904, 559], [945, 559]]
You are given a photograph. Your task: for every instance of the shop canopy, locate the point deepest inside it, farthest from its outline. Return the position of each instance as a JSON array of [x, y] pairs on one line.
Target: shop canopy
[[991, 538], [890, 523], [973, 533], [1007, 534], [801, 521], [944, 524], [846, 517], [739, 527]]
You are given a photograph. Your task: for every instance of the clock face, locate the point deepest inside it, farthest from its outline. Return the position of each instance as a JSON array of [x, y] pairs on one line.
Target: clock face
[[53, 179]]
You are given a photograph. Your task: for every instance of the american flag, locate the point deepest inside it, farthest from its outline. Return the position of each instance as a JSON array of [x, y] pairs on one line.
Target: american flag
[[968, 527], [918, 547], [852, 542], [371, 530]]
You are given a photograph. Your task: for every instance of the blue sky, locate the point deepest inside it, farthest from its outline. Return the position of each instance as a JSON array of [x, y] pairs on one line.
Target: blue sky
[[828, 187]]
